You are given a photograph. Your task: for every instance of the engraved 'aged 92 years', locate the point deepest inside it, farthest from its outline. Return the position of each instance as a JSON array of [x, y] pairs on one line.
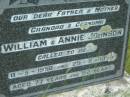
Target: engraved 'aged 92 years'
[[49, 46]]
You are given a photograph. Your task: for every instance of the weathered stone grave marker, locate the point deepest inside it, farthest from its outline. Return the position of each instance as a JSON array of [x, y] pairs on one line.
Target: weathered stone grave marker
[[52, 45]]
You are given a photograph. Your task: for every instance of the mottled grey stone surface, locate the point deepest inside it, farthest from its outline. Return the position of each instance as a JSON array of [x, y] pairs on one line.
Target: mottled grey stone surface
[[119, 88]]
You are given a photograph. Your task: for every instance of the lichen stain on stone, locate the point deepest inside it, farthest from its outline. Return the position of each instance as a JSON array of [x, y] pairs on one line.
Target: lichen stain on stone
[[106, 28], [84, 26]]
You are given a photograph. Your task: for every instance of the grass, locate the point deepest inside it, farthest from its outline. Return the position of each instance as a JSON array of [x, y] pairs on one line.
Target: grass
[[127, 66]]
